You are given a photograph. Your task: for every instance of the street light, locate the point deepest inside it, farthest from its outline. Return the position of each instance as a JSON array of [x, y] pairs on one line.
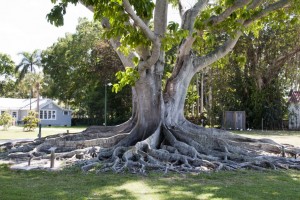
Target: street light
[[105, 102]]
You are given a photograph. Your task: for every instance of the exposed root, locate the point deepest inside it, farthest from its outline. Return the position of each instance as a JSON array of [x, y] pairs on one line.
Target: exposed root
[[181, 149]]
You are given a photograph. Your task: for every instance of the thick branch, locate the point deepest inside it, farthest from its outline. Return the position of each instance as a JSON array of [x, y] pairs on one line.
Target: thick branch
[[138, 21], [254, 4], [188, 20], [91, 8], [160, 28], [189, 16], [238, 4], [160, 17], [126, 60], [223, 50], [217, 54]]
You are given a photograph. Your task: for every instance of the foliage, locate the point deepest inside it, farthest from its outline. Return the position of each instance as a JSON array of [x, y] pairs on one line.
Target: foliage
[[31, 121], [257, 76], [127, 77], [6, 120], [6, 75], [29, 64], [6, 65], [76, 70]]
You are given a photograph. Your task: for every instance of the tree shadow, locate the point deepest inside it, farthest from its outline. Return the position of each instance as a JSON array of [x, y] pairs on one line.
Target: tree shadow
[[73, 184]]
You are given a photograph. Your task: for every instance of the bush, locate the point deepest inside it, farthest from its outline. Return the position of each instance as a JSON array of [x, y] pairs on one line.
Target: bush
[[30, 121], [6, 120]]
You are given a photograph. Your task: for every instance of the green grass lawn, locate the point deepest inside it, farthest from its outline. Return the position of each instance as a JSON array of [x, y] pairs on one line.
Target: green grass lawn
[[73, 184], [281, 137], [268, 132], [16, 132]]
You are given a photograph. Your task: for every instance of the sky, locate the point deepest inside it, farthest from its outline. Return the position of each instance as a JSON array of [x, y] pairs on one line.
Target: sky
[[24, 27]]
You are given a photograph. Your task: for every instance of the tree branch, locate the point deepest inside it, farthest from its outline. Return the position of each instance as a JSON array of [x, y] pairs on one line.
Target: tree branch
[[223, 50], [254, 4], [138, 21], [126, 60], [267, 10], [204, 61], [189, 16], [214, 20], [160, 25], [277, 64], [160, 17], [115, 43], [282, 59], [91, 8], [188, 20]]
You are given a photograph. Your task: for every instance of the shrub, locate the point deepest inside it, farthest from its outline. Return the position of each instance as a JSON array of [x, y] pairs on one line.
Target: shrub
[[30, 121], [6, 120]]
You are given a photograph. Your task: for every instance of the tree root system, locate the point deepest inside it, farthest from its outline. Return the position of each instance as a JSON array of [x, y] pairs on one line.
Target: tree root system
[[182, 149]]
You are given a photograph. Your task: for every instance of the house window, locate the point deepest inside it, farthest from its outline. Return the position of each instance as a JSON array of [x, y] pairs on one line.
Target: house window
[[48, 114], [66, 113], [14, 114]]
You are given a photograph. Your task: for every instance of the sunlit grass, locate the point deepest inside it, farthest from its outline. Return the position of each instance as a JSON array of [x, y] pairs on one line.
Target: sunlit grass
[[268, 132], [73, 184], [16, 132]]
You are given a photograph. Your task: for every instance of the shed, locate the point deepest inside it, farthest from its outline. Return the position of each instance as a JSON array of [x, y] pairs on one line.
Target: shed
[[234, 120], [294, 110]]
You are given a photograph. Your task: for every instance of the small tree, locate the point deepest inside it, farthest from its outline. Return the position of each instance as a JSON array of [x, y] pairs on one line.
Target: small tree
[[30, 121], [6, 120]]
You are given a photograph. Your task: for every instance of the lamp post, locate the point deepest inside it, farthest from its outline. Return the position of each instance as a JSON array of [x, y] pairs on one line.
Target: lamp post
[[105, 102]]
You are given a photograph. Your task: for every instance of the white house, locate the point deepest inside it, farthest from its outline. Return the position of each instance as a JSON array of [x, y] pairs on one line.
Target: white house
[[50, 113], [294, 110]]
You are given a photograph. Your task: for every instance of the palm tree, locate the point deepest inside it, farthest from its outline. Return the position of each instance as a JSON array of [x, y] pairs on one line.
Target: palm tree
[[29, 64]]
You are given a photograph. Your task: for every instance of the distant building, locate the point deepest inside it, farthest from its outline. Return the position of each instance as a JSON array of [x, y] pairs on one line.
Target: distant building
[[234, 120], [50, 113], [294, 110]]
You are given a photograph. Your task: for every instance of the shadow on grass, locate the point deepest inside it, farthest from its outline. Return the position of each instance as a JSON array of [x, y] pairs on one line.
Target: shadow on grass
[[72, 184]]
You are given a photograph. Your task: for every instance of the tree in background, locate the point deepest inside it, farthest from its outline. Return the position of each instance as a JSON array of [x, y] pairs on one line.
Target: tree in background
[[158, 134], [6, 65], [29, 64], [6, 74], [257, 75], [76, 69]]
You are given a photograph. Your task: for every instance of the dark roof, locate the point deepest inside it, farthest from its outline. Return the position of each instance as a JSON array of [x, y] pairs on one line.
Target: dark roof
[[295, 97]]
